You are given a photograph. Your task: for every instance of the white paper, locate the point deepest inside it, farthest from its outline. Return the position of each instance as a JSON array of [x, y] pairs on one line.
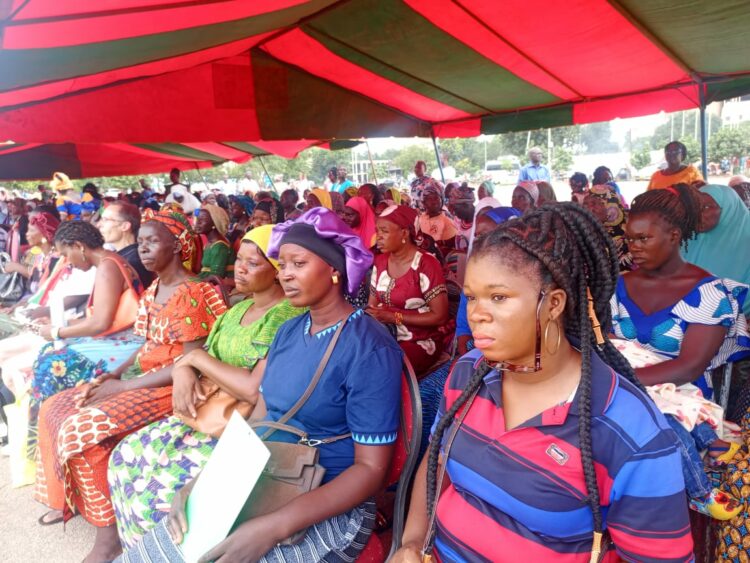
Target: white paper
[[223, 487]]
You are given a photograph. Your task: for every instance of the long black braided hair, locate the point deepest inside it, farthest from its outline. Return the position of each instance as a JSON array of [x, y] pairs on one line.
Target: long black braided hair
[[679, 205], [567, 248], [70, 232]]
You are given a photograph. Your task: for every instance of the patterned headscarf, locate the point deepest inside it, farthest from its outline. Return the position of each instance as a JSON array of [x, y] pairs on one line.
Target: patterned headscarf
[[179, 226], [433, 187], [46, 223], [218, 216], [531, 189]]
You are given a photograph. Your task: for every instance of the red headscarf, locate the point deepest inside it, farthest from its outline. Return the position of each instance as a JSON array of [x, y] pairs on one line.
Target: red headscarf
[[400, 215], [46, 223], [366, 228]]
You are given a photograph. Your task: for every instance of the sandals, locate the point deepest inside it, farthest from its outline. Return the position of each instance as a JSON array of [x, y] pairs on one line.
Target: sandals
[[43, 522]]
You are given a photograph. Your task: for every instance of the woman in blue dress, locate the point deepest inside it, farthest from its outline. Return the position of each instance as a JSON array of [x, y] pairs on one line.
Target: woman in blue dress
[[320, 260], [679, 310]]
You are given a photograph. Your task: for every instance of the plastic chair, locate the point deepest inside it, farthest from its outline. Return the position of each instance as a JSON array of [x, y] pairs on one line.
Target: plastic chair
[[402, 468], [721, 378]]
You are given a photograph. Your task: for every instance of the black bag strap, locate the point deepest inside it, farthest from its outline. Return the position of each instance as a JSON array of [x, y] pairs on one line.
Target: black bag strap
[[429, 541], [310, 388]]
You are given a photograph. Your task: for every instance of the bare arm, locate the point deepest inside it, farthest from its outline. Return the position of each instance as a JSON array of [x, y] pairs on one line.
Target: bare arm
[[162, 377], [239, 382], [698, 348], [436, 316], [107, 290]]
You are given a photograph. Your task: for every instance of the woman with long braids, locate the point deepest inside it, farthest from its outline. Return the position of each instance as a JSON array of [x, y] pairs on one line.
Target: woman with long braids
[[549, 451]]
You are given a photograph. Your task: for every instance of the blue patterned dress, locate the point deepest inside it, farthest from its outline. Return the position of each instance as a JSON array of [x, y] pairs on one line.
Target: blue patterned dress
[[712, 302]]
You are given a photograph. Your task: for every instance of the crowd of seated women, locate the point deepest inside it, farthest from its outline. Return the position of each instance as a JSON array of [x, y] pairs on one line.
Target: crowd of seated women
[[578, 414]]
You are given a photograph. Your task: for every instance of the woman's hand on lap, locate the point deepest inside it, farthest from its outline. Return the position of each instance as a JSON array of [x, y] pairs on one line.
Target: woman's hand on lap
[[248, 543], [177, 520], [186, 391], [98, 390], [45, 331]]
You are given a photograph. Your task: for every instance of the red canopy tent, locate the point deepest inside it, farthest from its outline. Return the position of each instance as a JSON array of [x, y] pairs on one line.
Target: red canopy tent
[[32, 161], [186, 71]]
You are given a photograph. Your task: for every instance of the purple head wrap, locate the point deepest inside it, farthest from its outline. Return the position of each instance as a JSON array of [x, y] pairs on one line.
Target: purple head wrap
[[321, 225]]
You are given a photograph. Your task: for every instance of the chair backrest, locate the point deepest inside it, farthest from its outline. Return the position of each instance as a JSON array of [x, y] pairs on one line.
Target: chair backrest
[[406, 456], [721, 379]]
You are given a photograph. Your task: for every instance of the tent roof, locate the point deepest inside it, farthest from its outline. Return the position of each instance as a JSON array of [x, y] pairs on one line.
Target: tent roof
[[32, 161], [242, 70]]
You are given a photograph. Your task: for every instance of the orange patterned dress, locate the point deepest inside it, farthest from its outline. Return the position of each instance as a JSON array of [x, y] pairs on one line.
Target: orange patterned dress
[[75, 443]]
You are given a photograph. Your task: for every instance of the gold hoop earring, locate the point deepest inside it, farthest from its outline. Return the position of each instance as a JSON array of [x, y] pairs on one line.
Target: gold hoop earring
[[546, 339], [335, 279]]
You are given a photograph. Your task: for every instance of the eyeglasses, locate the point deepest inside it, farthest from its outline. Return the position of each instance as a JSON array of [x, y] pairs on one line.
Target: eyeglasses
[[111, 219]]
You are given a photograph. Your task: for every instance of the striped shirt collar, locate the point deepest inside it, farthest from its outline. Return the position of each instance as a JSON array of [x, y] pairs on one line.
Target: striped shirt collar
[[603, 388]]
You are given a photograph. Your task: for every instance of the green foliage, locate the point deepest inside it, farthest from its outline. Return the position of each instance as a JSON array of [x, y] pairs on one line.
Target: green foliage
[[641, 158], [562, 159], [672, 129], [729, 142], [406, 157]]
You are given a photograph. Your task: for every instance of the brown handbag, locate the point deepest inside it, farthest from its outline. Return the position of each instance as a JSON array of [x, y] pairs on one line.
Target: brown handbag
[[293, 469], [213, 413]]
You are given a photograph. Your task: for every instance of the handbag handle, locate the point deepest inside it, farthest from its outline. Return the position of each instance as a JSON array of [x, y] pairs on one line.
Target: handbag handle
[[429, 540], [123, 272], [312, 385]]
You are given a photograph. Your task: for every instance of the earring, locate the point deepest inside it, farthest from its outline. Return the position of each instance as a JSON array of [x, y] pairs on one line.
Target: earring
[[546, 339], [44, 240], [335, 279], [403, 241], [83, 255]]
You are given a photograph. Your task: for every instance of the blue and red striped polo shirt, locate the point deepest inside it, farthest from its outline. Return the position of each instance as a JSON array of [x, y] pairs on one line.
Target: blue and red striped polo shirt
[[519, 495]]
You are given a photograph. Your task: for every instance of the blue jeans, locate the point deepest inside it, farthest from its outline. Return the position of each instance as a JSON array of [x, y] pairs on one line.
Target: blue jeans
[[690, 444]]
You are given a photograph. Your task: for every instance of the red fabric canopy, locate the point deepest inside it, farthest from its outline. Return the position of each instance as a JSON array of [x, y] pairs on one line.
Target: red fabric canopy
[[155, 71], [34, 161]]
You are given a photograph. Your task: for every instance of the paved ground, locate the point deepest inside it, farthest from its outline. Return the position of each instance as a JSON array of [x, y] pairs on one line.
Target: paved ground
[[23, 540]]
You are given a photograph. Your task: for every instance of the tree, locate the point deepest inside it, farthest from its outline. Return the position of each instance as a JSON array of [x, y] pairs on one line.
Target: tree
[[641, 159], [596, 138], [562, 160], [729, 142], [410, 154]]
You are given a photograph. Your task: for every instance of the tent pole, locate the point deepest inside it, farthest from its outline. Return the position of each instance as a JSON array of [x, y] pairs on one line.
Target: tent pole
[[198, 170], [372, 162], [437, 156], [704, 131], [263, 164]]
